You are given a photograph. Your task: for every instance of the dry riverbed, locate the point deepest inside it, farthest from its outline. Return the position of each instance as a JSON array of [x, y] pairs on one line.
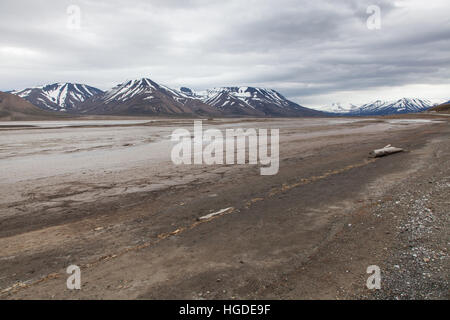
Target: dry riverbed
[[105, 196]]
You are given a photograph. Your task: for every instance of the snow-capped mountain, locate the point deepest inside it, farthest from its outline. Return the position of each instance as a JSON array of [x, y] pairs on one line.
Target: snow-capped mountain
[[140, 87], [228, 103], [405, 105], [339, 108], [58, 96], [252, 101], [145, 97], [13, 107]]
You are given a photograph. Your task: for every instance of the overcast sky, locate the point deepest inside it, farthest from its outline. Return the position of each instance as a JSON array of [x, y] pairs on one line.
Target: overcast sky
[[313, 52]]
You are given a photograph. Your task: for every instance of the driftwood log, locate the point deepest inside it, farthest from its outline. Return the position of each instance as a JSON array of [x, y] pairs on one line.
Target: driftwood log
[[384, 151]]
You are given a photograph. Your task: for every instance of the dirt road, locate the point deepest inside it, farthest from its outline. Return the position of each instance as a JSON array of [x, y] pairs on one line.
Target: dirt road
[[308, 232]]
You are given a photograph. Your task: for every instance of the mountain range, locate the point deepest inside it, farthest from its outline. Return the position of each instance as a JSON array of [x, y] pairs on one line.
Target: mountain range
[[379, 107], [442, 108], [146, 97]]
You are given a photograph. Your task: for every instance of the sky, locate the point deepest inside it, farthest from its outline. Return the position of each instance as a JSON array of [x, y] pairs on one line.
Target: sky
[[314, 52]]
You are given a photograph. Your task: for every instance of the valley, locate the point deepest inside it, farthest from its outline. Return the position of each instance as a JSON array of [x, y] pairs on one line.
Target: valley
[[105, 196]]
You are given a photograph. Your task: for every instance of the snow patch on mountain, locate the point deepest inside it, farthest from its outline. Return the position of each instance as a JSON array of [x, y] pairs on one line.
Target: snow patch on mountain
[[337, 107], [381, 107], [249, 96], [143, 88], [404, 105], [58, 96]]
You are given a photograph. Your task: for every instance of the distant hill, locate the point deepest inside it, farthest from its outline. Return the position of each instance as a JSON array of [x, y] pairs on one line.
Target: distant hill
[[443, 108], [13, 107], [64, 96], [381, 107], [401, 106], [144, 97]]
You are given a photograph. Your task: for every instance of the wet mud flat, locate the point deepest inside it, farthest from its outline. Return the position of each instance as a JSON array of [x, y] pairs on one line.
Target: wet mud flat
[[108, 199]]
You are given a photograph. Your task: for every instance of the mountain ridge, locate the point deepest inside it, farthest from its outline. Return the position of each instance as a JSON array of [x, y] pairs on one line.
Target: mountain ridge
[[253, 101], [145, 97], [383, 107], [60, 96]]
